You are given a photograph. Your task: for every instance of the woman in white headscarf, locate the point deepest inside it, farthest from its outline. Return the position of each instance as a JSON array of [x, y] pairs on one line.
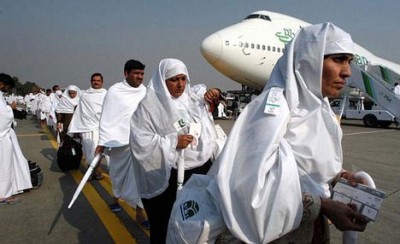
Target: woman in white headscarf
[[160, 130], [284, 151], [66, 107]]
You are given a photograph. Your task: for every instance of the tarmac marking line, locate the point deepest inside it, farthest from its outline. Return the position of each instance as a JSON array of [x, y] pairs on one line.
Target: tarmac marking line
[[106, 183], [118, 232], [367, 132], [31, 134]]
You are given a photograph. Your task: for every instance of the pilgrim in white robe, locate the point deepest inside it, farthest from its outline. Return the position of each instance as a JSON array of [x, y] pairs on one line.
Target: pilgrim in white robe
[[154, 138], [55, 99], [287, 142], [397, 90], [66, 107], [119, 104], [86, 120], [14, 169], [155, 127], [38, 101], [67, 104], [33, 103], [45, 108]]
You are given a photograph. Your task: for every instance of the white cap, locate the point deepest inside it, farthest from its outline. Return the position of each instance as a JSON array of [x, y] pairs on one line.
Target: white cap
[[338, 41], [175, 67]]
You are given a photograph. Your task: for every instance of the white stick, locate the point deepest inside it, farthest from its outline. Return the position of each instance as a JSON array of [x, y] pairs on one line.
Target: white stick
[[181, 171], [58, 138], [351, 236], [85, 178], [344, 104]]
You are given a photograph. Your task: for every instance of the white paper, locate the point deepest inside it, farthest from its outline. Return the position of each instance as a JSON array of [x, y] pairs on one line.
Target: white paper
[[195, 131], [367, 200]]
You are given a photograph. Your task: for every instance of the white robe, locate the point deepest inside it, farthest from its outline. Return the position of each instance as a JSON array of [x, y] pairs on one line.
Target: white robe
[[397, 90], [33, 103], [119, 104], [45, 108], [67, 104], [123, 179], [286, 141], [86, 120], [14, 169], [37, 102], [154, 135], [55, 99]]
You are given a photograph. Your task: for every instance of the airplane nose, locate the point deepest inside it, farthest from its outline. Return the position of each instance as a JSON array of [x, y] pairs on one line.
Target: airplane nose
[[211, 48]]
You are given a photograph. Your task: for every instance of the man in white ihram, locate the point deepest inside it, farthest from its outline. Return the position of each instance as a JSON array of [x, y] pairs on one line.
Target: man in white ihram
[[86, 119], [120, 103]]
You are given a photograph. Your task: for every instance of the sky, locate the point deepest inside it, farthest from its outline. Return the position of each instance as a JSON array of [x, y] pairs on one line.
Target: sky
[[63, 42]]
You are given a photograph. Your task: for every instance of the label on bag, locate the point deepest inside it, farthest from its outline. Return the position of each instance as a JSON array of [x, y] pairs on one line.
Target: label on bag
[[272, 105], [73, 151]]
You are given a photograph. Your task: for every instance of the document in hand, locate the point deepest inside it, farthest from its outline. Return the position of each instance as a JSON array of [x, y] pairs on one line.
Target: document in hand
[[367, 199]]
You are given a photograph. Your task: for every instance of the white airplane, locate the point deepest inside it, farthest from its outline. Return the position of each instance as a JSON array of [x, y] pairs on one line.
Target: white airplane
[[246, 52]]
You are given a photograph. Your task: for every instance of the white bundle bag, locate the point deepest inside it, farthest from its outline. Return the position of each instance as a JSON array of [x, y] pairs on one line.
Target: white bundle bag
[[195, 217]]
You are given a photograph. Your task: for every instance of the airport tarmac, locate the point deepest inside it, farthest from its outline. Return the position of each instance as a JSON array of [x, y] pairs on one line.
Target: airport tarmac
[[42, 215]]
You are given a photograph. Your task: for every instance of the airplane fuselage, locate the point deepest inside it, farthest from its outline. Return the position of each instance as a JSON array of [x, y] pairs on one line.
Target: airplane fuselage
[[246, 52]]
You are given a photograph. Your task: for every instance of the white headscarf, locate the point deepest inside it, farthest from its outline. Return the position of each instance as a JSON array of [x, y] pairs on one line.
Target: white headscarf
[[270, 159], [67, 104], [154, 136]]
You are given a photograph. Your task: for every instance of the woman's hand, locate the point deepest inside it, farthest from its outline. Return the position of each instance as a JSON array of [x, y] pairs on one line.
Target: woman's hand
[[212, 95], [350, 176], [184, 141], [343, 216], [99, 149]]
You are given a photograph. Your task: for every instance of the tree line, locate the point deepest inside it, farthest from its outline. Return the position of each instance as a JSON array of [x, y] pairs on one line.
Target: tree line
[[23, 89]]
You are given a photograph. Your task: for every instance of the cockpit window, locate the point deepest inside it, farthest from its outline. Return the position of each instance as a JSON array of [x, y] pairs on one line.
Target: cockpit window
[[258, 16]]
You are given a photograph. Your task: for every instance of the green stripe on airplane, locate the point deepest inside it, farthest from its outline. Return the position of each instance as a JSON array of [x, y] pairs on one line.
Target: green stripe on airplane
[[385, 74], [368, 85]]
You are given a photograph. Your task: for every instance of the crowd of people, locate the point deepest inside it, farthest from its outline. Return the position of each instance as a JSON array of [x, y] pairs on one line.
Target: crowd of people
[[282, 156]]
